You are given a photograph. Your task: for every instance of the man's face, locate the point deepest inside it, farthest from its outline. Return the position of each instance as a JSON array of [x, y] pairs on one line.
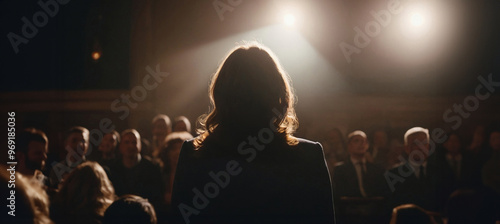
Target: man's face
[[78, 143], [180, 126], [160, 129], [108, 143], [357, 145], [417, 146], [37, 154], [130, 145]]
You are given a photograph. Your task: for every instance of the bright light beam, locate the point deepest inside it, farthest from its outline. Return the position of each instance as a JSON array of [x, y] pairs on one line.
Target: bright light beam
[[417, 19], [289, 19]]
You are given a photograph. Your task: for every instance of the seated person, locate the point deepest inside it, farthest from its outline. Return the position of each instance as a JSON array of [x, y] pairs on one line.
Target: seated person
[[358, 177], [76, 144], [130, 209], [133, 174]]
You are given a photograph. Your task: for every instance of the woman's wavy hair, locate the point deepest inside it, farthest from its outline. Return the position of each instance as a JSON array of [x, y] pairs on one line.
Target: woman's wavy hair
[[87, 190], [249, 91]]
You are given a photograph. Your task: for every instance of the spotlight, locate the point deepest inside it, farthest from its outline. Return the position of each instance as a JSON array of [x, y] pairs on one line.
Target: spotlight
[[417, 19], [289, 19], [96, 55]]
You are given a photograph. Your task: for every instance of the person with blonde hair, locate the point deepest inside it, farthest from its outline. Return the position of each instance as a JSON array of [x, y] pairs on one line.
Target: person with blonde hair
[[26, 202], [84, 195], [246, 166]]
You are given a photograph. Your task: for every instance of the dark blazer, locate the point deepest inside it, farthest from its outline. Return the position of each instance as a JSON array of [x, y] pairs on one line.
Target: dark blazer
[[346, 181], [280, 184], [144, 180], [428, 193]]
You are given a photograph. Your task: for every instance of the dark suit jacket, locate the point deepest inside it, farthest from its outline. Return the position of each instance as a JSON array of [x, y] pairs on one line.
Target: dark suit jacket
[[144, 180], [283, 184], [346, 181], [429, 193]]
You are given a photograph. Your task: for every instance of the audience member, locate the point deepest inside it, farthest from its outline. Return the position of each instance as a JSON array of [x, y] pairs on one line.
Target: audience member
[[32, 147], [162, 126], [133, 174], [130, 209], [181, 124], [378, 152], [76, 144], [358, 177], [84, 195], [418, 180], [169, 158], [456, 162], [109, 147], [491, 170], [334, 148], [247, 154], [29, 203]]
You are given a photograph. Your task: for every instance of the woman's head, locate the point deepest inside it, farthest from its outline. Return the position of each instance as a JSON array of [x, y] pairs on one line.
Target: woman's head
[[250, 91], [87, 187]]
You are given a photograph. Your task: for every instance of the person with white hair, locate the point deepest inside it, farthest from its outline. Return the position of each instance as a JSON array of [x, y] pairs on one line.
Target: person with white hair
[[418, 180]]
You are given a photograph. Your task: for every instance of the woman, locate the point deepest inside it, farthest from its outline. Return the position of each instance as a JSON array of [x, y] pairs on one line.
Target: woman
[[84, 195], [246, 166]]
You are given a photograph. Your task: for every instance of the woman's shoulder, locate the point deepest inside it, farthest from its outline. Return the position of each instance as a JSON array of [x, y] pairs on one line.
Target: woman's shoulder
[[309, 145]]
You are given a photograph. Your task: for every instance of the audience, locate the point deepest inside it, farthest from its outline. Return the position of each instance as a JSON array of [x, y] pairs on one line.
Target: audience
[[378, 152], [32, 147], [457, 163], [182, 123], [130, 209], [418, 180], [29, 203], [169, 157], [358, 177], [162, 126], [134, 174], [109, 147], [359, 185], [491, 170], [430, 177], [76, 144], [334, 149], [84, 195]]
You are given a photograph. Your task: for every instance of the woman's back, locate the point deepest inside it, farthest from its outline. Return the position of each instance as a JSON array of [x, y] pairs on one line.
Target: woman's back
[[276, 184]]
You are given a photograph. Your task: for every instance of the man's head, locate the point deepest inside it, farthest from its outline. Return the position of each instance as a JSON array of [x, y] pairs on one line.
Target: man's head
[[32, 146], [162, 126], [109, 142], [417, 143], [357, 144], [77, 140], [130, 145]]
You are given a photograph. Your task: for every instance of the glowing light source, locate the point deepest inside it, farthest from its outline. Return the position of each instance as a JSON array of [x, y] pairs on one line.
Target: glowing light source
[[96, 55], [417, 19], [289, 19]]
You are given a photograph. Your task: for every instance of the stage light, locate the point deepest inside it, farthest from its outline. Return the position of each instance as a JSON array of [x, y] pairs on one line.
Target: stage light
[[96, 55], [289, 19], [417, 19]]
